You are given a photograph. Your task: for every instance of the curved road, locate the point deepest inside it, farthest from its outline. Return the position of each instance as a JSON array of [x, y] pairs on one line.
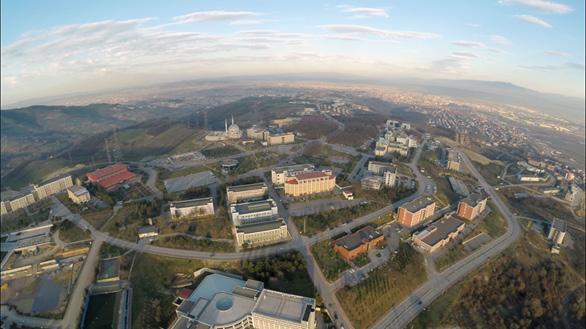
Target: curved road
[[406, 311]]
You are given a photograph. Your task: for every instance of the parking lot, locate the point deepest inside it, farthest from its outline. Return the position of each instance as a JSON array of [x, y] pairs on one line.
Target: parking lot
[[186, 182], [316, 206]]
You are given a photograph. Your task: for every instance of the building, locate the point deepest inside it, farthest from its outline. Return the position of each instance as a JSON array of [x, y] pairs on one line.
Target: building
[[111, 177], [463, 138], [148, 231], [232, 132], [308, 183], [438, 234], [78, 194], [574, 195], [379, 168], [453, 160], [263, 232], [557, 231], [372, 182], [281, 138], [29, 239], [458, 186], [473, 205], [280, 174], [223, 301], [109, 270], [253, 212], [192, 208], [415, 212], [347, 193], [390, 178], [52, 187], [255, 133], [358, 243], [246, 192], [20, 202]]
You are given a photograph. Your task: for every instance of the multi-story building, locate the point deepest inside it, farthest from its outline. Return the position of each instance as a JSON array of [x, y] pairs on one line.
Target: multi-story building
[[20, 202], [264, 232], [111, 177], [379, 168], [357, 243], [78, 194], [52, 187], [390, 178], [280, 174], [372, 182], [223, 301], [415, 212], [310, 183], [463, 138], [246, 192], [557, 231], [3, 207], [473, 205], [280, 138], [453, 160], [253, 212], [192, 208], [271, 135], [438, 234]]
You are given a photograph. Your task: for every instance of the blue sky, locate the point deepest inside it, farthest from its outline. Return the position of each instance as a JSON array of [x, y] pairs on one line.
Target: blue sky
[[57, 47]]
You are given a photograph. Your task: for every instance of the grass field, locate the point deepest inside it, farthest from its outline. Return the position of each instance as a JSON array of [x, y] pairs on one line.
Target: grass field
[[386, 286], [18, 220], [183, 242], [217, 227], [218, 152], [98, 217], [102, 311], [69, 232], [490, 171], [330, 263]]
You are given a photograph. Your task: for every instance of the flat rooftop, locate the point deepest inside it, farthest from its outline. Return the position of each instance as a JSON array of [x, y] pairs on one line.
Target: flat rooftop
[[474, 198], [283, 306], [272, 224], [418, 204], [246, 187], [356, 239], [192, 203], [560, 225], [440, 230], [35, 232], [298, 167], [255, 206]]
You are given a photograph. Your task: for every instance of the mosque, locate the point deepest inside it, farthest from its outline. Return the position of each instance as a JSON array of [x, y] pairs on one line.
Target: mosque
[[232, 132]]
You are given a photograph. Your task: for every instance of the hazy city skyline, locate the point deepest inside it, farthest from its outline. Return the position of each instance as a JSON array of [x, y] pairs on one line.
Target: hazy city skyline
[[85, 47]]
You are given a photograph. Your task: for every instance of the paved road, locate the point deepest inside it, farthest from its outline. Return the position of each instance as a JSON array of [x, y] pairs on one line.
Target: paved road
[[406, 311]]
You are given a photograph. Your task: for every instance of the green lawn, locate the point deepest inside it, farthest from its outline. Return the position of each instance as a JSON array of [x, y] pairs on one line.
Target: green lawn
[[385, 287], [183, 242], [69, 232], [330, 263], [219, 152], [361, 260]]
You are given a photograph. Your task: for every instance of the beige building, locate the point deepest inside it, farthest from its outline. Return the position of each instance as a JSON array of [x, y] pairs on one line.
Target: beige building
[[3, 208], [277, 139], [21, 202], [239, 193], [308, 183], [192, 208], [78, 194], [261, 233], [52, 187], [280, 174], [453, 161], [438, 234], [379, 168]]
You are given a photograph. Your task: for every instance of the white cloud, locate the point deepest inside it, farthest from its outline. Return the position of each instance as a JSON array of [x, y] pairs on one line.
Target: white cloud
[[214, 16], [367, 30], [550, 67], [475, 44], [464, 54], [499, 39], [547, 6], [533, 20], [556, 53], [364, 12]]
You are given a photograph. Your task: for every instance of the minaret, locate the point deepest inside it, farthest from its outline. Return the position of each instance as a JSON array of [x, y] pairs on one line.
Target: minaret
[[232, 119], [226, 125]]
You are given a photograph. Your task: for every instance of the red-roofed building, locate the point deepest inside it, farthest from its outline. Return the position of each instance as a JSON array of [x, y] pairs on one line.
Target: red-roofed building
[[111, 177], [312, 182]]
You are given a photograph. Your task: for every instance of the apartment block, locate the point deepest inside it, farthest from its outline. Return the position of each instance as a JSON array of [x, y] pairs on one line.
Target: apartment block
[[415, 212], [358, 243], [473, 205], [439, 234], [78, 194]]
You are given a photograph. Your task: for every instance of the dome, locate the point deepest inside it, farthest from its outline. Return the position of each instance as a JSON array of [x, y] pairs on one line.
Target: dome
[[234, 128]]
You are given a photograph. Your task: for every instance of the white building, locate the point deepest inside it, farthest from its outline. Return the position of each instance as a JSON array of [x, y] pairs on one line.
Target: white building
[[232, 132], [192, 208], [78, 194], [223, 301], [253, 212], [280, 174]]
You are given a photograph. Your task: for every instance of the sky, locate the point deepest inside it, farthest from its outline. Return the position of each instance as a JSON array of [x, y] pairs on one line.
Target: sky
[[57, 47]]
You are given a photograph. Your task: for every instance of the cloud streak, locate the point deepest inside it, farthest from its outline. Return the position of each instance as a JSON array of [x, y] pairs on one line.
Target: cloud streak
[[349, 29], [214, 16], [546, 6], [533, 20], [364, 12]]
